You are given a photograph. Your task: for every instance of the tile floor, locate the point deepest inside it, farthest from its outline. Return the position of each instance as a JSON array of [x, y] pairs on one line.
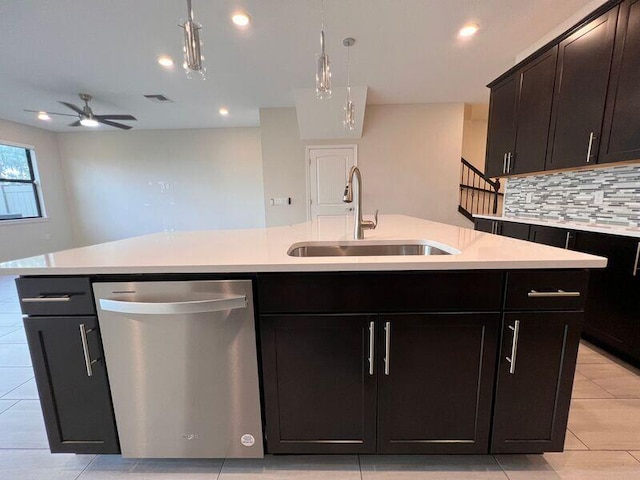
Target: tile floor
[[603, 439]]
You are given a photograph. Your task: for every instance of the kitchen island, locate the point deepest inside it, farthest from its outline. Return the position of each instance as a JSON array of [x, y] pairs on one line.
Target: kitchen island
[[468, 352]]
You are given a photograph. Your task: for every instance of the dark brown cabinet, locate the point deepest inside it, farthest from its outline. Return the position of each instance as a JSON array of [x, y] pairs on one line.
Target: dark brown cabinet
[[582, 76], [612, 314], [537, 80], [514, 230], [71, 375], [502, 126], [621, 132], [486, 225], [76, 401], [535, 376], [421, 354], [320, 393], [555, 237], [519, 114]]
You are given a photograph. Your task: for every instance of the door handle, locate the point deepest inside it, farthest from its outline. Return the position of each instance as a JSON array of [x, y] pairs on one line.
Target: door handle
[[514, 346], [174, 308], [591, 137], [85, 350], [504, 163], [509, 157], [557, 293], [566, 243], [372, 338], [44, 299], [387, 347], [635, 264]]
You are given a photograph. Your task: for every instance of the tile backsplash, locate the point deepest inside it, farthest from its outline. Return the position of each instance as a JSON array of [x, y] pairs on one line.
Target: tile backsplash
[[604, 195]]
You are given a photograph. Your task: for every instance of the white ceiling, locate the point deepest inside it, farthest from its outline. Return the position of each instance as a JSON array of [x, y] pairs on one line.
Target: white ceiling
[[406, 52]]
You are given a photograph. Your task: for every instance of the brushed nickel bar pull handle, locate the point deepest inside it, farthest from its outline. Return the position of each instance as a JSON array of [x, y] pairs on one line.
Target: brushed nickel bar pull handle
[[230, 302], [372, 339], [591, 137], [43, 298], [509, 156], [635, 264], [514, 346], [387, 347], [85, 349], [559, 293], [566, 243], [504, 163]]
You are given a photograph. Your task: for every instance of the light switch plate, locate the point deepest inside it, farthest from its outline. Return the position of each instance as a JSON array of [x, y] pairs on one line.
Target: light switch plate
[[598, 197]]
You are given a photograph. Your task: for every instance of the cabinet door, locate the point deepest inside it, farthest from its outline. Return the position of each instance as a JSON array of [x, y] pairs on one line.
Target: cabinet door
[[612, 312], [584, 61], [555, 237], [535, 376], [435, 382], [501, 131], [621, 132], [319, 390], [515, 230], [76, 403], [485, 225], [534, 114]]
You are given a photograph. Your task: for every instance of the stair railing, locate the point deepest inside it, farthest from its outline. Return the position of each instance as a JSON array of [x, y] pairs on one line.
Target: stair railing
[[478, 194]]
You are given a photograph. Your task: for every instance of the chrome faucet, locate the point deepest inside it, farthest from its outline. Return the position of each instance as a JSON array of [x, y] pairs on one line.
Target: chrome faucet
[[360, 225]]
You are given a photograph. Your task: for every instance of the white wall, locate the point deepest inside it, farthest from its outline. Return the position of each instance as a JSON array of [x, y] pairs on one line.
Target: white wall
[[409, 156], [25, 238], [474, 136], [123, 184]]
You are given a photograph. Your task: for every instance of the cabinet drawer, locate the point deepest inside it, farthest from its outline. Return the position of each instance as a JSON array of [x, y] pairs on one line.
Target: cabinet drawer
[[546, 290], [55, 296], [380, 292]]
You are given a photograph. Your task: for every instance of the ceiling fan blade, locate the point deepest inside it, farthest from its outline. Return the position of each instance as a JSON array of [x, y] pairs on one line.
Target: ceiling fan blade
[[75, 124], [51, 113], [73, 107], [113, 124], [115, 117]]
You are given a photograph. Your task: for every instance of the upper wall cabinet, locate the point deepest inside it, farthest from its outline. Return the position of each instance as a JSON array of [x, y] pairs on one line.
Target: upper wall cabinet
[[519, 118], [621, 133], [502, 126], [582, 76]]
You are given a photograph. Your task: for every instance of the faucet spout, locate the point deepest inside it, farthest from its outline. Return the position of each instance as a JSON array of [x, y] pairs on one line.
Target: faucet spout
[[360, 225]]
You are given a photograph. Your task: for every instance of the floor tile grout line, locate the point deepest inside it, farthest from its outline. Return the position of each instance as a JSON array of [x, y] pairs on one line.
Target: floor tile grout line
[[224, 461], [87, 466], [501, 467], [360, 467], [583, 444]]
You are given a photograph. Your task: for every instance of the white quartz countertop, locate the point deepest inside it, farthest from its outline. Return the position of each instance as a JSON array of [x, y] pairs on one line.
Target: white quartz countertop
[[265, 250], [586, 227]]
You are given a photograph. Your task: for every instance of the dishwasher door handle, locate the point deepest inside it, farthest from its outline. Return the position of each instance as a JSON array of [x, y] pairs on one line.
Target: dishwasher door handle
[[174, 308]]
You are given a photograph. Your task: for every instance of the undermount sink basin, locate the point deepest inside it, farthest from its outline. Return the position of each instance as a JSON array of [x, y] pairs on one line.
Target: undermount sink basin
[[369, 249]]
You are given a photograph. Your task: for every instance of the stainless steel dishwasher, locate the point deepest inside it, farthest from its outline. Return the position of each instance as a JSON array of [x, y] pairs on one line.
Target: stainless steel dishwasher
[[183, 368]]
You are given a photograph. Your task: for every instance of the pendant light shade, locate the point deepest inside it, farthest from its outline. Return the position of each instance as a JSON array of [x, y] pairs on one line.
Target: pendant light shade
[[193, 59], [349, 121], [323, 69]]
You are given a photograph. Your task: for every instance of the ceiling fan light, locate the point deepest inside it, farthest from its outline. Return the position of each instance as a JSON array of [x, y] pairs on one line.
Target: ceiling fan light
[[43, 116], [89, 122]]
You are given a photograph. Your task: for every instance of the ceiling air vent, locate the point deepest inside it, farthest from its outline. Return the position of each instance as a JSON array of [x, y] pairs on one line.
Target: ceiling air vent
[[159, 98]]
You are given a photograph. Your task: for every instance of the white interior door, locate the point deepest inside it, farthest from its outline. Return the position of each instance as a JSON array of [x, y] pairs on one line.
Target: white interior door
[[328, 170]]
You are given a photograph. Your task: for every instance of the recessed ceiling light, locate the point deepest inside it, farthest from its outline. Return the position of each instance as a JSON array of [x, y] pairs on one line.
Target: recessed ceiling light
[[223, 111], [166, 61], [89, 122], [241, 19], [468, 30], [43, 116]]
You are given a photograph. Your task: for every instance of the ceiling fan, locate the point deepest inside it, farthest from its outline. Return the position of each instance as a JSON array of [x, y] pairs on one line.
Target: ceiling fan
[[87, 118]]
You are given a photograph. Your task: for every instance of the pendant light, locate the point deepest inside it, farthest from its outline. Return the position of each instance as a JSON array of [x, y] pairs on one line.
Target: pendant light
[[349, 121], [323, 71], [192, 46]]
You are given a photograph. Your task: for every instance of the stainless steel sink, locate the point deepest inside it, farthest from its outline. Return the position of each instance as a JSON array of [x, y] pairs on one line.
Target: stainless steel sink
[[368, 249]]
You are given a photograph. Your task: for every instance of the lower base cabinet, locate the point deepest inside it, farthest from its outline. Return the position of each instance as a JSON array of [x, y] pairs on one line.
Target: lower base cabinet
[[535, 376], [435, 382], [76, 401], [425, 380]]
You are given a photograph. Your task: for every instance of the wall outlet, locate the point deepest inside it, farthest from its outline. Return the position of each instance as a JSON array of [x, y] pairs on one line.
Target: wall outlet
[[598, 197], [280, 201], [529, 197]]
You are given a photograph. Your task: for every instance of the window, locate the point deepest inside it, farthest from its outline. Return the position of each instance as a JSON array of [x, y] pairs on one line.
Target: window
[[18, 188]]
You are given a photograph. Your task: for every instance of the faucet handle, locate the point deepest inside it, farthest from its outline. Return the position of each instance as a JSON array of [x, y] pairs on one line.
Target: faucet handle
[[368, 224]]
